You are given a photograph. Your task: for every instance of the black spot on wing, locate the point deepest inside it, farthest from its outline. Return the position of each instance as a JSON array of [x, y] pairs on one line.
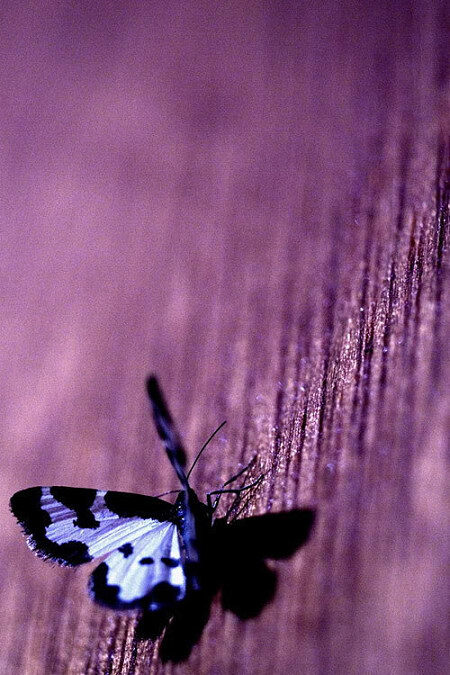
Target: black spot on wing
[[146, 561], [170, 562], [34, 520], [70, 553], [129, 505], [126, 550], [79, 500], [161, 596], [100, 590]]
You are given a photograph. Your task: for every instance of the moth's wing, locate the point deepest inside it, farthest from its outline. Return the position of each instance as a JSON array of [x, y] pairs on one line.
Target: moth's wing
[[166, 429], [72, 526], [146, 573]]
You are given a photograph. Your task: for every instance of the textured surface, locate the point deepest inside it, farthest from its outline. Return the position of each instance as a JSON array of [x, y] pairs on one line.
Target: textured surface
[[251, 200]]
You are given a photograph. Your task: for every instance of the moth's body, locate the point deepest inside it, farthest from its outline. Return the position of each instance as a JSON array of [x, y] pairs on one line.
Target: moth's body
[[194, 525]]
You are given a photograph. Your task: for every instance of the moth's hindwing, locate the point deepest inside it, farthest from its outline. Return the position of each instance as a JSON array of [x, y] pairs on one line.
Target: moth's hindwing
[[72, 526], [147, 573]]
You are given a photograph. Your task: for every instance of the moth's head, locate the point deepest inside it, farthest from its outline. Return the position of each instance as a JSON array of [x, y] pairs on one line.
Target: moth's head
[[200, 510], [187, 496], [187, 499]]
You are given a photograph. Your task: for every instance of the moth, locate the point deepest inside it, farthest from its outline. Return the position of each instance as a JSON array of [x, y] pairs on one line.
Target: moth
[[155, 553]]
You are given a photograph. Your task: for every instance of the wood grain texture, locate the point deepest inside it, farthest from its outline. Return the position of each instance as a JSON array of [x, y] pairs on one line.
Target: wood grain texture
[[250, 200]]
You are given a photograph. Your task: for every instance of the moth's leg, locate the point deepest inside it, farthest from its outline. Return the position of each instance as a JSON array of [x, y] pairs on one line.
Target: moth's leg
[[166, 428], [211, 507], [234, 491], [234, 505], [237, 501], [240, 489], [239, 474], [228, 482]]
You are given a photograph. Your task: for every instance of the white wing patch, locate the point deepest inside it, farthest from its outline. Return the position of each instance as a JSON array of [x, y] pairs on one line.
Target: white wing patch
[[74, 525], [147, 573], [111, 532]]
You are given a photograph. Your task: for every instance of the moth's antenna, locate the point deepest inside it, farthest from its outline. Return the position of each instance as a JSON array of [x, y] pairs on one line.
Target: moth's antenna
[[203, 447], [166, 429]]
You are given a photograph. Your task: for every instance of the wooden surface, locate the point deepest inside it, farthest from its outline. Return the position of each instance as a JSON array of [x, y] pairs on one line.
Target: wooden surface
[[250, 200]]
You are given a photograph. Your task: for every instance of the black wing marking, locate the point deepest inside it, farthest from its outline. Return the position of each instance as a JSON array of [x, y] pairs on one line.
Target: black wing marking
[[74, 525], [166, 429], [146, 574]]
